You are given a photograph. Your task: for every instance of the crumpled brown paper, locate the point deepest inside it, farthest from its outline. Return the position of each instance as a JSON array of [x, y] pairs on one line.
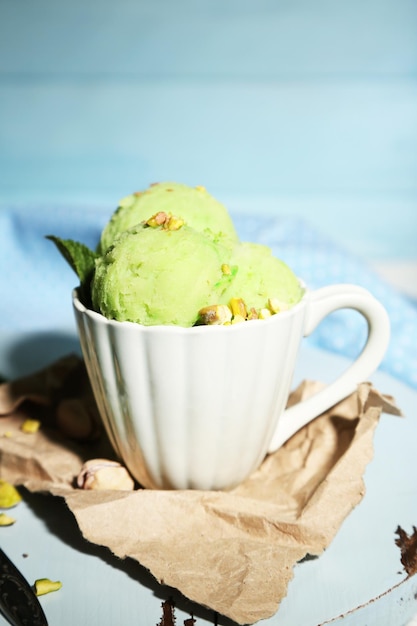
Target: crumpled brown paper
[[233, 551]]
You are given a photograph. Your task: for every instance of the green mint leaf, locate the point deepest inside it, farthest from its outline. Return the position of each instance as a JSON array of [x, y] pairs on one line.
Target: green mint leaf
[[80, 258]]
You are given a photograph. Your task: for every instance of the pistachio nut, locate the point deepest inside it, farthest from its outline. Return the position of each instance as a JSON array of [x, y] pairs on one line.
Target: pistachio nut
[[214, 314], [6, 520], [238, 307], [264, 314], [237, 319], [276, 306], [9, 495], [159, 219], [252, 314], [103, 474], [174, 223], [30, 426], [44, 585]]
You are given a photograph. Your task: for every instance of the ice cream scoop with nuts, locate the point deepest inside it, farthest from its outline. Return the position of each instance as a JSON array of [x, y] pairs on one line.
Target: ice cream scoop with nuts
[[170, 255]]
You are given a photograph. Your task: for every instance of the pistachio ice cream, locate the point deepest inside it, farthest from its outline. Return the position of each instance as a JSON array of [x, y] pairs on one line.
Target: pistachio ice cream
[[159, 274], [163, 271], [170, 255], [261, 279], [193, 204]]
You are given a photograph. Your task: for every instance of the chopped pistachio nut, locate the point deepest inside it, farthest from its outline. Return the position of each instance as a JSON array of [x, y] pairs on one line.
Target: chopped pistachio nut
[[276, 305], [104, 474], [226, 269], [9, 495], [6, 520], [264, 314], [166, 220], [215, 314], [252, 314], [44, 585], [30, 426], [237, 311], [174, 223], [237, 319], [158, 219], [238, 307]]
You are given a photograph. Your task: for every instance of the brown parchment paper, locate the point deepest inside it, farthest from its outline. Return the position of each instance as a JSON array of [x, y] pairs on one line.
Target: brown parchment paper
[[233, 552]]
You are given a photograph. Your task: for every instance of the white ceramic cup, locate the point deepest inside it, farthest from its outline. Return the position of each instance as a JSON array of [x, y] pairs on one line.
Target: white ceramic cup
[[199, 408]]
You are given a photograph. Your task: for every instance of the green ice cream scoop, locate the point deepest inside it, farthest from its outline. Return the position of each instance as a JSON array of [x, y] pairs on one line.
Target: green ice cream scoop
[[153, 275], [193, 204], [261, 279]]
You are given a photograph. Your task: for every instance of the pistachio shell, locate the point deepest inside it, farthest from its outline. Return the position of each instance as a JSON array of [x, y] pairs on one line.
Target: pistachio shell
[[104, 474]]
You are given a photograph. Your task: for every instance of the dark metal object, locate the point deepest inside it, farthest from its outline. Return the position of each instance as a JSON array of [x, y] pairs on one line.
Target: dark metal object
[[18, 602]]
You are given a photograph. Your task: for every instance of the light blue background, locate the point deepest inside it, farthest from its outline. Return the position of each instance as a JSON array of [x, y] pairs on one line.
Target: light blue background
[[287, 107], [301, 116]]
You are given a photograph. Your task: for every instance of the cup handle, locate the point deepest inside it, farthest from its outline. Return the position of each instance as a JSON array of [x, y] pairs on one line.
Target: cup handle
[[321, 303]]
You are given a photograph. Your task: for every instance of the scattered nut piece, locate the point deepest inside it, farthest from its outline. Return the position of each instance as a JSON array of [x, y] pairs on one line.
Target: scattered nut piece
[[30, 426], [237, 319], [237, 311], [44, 585], [264, 314], [226, 269], [174, 223], [166, 220], [200, 188], [215, 314], [104, 474], [276, 305], [158, 219], [252, 314], [6, 520], [9, 495], [238, 307]]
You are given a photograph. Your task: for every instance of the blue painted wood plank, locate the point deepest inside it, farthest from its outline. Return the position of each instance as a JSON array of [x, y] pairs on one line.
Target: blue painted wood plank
[[235, 39], [241, 138], [290, 106]]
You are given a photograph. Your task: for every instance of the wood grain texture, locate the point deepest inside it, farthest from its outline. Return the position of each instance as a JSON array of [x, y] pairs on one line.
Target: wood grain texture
[[293, 107]]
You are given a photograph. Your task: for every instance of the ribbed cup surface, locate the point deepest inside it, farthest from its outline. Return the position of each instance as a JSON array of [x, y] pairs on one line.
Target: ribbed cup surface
[[190, 408]]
